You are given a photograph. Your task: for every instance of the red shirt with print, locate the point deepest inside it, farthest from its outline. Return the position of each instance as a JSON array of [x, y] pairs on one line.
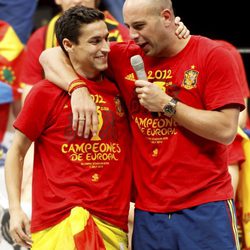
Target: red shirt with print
[[71, 171], [173, 167]]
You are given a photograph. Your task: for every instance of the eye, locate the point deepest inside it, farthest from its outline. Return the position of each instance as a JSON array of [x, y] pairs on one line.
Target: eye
[[139, 26], [95, 41]]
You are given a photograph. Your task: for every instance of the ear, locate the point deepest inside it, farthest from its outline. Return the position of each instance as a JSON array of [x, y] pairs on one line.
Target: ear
[[166, 14], [68, 45]]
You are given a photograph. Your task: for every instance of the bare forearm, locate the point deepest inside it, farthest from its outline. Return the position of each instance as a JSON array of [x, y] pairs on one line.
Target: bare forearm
[[219, 126], [13, 178], [57, 67], [14, 168]]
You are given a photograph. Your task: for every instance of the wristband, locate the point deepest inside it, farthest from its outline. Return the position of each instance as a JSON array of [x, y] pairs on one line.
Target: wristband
[[75, 84]]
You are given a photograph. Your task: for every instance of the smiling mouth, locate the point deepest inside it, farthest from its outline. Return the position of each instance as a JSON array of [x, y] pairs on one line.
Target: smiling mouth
[[102, 59]]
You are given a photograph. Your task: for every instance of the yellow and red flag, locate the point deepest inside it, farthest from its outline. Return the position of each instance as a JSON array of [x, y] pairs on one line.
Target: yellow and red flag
[[243, 191], [77, 232], [11, 55]]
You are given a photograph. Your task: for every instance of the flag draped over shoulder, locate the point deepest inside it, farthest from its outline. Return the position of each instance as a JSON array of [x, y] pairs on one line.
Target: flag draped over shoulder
[[244, 189], [11, 54]]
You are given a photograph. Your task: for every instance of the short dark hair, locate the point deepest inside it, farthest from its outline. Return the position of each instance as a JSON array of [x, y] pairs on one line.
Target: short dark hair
[[70, 22]]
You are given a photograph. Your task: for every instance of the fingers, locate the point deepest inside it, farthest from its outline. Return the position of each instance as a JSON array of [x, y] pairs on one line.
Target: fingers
[[27, 229], [141, 83], [84, 113], [75, 120], [78, 122], [182, 31], [141, 96], [81, 123], [87, 125], [95, 123], [91, 124], [143, 87], [19, 228], [19, 237], [177, 20], [84, 123]]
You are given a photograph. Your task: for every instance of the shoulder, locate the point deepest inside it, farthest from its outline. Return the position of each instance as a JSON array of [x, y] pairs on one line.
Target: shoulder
[[44, 91], [208, 49], [205, 43], [128, 48]]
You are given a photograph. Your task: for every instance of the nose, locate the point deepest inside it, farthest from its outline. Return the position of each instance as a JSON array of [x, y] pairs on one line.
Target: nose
[[133, 33], [105, 46]]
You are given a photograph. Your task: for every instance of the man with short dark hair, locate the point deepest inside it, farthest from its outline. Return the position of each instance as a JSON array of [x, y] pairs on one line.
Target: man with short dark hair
[[81, 187]]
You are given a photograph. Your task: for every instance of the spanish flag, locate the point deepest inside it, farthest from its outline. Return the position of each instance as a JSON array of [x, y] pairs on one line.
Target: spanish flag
[[11, 55], [77, 232], [243, 191]]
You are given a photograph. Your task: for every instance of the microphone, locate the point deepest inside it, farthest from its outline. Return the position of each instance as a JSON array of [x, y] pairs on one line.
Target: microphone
[[138, 66]]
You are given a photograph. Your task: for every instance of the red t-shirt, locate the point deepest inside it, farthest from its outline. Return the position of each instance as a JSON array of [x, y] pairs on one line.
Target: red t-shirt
[[72, 171], [32, 71], [240, 64], [173, 167], [4, 114], [235, 150]]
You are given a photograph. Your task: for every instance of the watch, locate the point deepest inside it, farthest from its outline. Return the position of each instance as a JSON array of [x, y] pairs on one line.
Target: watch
[[170, 108]]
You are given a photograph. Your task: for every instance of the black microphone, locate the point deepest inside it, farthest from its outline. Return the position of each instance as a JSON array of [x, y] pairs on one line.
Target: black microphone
[[138, 66]]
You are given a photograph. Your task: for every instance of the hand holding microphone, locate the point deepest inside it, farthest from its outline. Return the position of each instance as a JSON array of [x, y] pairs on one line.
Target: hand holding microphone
[[138, 66]]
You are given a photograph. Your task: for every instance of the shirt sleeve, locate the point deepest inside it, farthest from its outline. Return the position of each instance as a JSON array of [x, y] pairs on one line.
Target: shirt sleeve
[[35, 114], [222, 86]]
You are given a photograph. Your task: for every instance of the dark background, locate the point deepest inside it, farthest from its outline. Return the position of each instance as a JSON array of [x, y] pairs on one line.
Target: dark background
[[219, 19]]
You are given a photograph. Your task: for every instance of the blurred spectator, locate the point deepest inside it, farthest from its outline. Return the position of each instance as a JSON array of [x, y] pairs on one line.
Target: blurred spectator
[[115, 8], [237, 153], [19, 14]]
